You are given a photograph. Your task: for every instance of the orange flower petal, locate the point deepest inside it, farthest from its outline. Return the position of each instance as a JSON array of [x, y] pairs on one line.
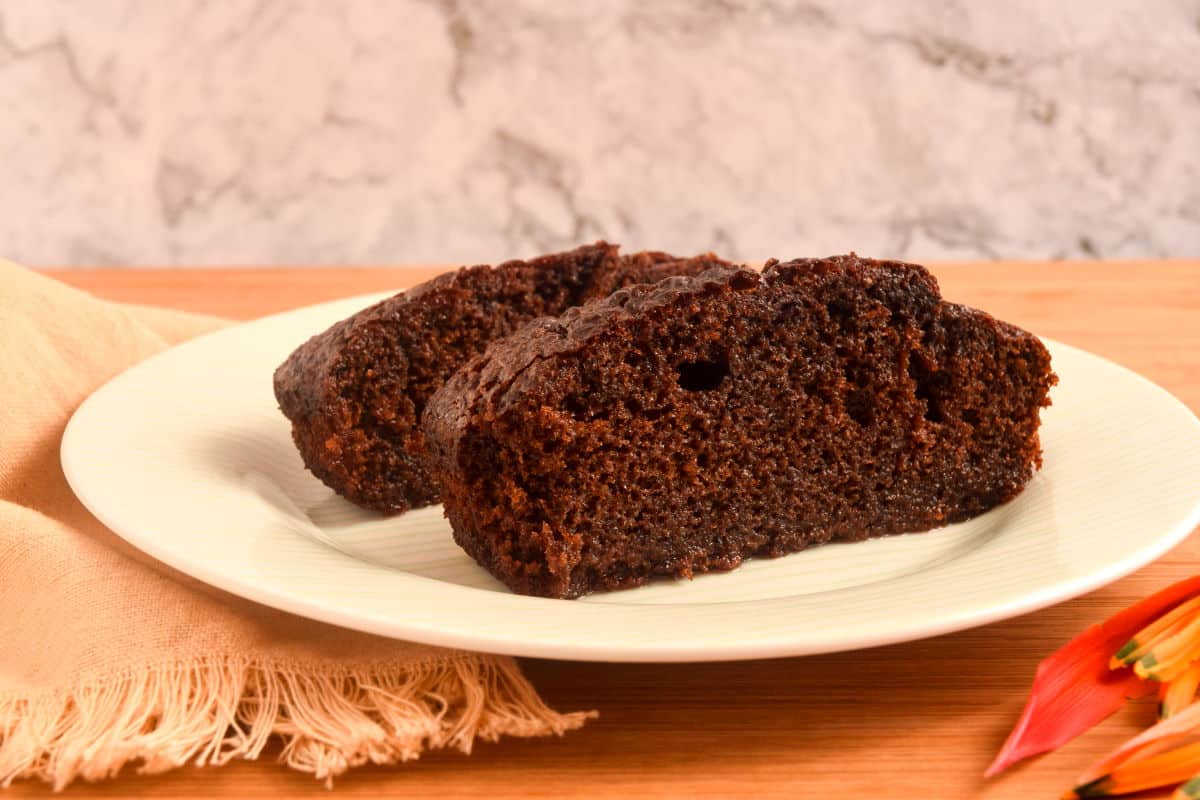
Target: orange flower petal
[[1163, 769], [1161, 628], [1169, 658], [1074, 687], [1179, 693], [1176, 730]]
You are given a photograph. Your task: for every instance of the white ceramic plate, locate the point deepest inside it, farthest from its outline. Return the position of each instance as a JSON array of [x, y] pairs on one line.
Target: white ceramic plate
[[187, 457]]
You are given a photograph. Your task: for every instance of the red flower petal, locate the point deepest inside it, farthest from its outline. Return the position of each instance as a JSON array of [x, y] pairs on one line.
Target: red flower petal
[[1074, 688]]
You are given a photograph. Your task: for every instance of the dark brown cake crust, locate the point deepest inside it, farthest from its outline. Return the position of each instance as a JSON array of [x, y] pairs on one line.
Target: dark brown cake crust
[[355, 393], [682, 428]]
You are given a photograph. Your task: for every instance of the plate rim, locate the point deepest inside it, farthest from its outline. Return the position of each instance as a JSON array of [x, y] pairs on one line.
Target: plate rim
[[582, 649]]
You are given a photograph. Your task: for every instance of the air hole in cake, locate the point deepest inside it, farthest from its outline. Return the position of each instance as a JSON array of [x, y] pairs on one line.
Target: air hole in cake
[[933, 410], [841, 312], [702, 376], [924, 378], [856, 375], [576, 407], [742, 281], [861, 407]]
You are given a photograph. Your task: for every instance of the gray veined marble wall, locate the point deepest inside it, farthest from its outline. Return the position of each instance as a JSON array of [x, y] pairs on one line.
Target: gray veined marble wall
[[348, 131]]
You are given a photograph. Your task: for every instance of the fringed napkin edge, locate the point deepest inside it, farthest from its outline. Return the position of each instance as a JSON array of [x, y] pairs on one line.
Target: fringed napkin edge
[[210, 711]]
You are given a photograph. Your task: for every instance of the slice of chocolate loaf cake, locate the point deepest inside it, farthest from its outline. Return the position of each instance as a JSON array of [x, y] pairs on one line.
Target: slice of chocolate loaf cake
[[355, 393], [683, 427]]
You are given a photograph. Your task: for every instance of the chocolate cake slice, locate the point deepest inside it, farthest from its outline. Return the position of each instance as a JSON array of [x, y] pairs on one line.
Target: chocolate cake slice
[[355, 393], [684, 427]]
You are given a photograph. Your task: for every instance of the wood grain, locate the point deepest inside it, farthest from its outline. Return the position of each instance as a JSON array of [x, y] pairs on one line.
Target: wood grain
[[917, 720]]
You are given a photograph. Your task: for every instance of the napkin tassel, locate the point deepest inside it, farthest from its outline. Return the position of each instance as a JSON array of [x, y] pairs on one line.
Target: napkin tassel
[[212, 712]]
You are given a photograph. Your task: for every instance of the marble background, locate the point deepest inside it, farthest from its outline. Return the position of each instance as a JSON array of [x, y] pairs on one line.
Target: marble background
[[143, 132]]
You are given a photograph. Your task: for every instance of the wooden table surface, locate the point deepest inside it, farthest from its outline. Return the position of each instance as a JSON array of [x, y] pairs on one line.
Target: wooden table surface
[[916, 720]]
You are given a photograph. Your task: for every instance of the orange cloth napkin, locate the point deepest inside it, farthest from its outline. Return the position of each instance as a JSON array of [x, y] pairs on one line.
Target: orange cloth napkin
[[108, 658]]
